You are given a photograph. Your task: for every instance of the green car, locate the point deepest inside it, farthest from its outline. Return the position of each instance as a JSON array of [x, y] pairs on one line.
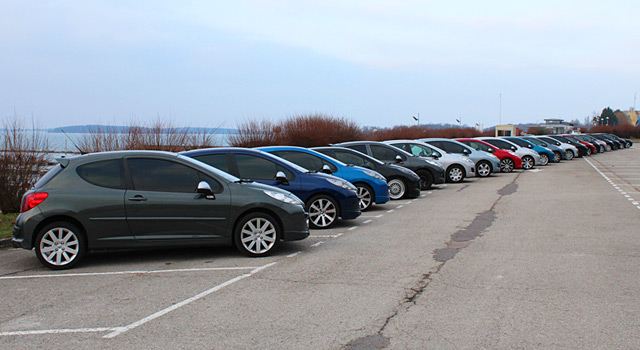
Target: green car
[[132, 199]]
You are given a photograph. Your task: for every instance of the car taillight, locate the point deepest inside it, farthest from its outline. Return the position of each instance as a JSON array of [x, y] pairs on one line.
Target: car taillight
[[32, 200]]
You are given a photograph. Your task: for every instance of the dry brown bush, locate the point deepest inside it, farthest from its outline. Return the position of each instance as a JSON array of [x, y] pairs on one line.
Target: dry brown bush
[[255, 133], [418, 132], [314, 130], [23, 158], [626, 131], [303, 130]]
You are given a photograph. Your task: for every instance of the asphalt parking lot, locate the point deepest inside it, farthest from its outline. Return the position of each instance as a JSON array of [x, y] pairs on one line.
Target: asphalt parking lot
[[532, 259]]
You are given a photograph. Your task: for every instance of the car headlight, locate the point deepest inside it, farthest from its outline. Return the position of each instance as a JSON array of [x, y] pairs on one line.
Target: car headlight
[[344, 184], [375, 174], [284, 197]]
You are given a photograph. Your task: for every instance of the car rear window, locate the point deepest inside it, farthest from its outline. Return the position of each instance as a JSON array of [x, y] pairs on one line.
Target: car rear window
[[106, 173], [48, 176]]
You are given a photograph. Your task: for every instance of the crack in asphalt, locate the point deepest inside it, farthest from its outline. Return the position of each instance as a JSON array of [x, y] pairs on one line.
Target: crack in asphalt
[[459, 240]]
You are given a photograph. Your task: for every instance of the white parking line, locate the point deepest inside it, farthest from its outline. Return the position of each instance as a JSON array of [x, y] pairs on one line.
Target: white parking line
[[367, 221], [317, 244], [400, 206], [614, 185], [292, 255], [160, 313], [390, 211], [327, 236], [352, 228], [138, 272], [59, 331]]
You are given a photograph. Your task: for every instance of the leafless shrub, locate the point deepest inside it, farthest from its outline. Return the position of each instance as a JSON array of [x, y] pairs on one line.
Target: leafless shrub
[[318, 130], [626, 131], [22, 160], [256, 133]]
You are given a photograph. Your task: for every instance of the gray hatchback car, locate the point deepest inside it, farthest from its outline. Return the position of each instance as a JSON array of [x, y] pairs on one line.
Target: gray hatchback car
[[132, 199]]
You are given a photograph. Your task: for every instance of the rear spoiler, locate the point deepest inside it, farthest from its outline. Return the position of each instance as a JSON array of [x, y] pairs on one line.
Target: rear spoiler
[[63, 161]]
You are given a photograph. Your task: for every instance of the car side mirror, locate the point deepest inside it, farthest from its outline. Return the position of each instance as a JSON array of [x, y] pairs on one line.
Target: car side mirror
[[326, 169], [513, 148], [282, 178], [434, 156], [398, 158], [491, 150], [465, 151], [205, 190]]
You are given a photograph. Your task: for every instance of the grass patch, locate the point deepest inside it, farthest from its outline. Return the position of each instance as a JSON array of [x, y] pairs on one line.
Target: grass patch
[[6, 225]]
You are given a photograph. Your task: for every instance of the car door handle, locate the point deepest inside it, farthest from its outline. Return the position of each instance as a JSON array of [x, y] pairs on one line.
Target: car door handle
[[137, 198]]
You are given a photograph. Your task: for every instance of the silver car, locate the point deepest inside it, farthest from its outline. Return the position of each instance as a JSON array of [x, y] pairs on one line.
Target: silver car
[[457, 167], [529, 157], [486, 163], [570, 150]]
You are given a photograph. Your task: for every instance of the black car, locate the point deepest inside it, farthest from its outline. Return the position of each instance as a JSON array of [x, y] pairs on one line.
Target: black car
[[134, 199], [611, 144], [429, 170], [402, 182]]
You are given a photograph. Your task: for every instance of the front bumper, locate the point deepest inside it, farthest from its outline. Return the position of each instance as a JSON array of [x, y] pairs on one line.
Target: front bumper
[[439, 177]]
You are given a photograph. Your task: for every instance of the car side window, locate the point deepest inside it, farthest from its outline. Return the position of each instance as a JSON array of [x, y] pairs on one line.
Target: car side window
[[305, 160], [106, 173], [359, 148], [384, 153], [451, 147], [500, 144], [478, 146], [421, 151], [218, 161], [350, 158], [162, 175], [258, 168]]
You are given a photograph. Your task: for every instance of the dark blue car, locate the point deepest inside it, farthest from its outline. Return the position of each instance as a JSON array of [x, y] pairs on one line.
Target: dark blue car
[[372, 187], [326, 197]]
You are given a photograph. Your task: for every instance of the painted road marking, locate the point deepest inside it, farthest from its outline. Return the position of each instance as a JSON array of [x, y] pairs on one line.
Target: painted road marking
[[317, 244], [327, 236], [390, 211], [367, 221], [614, 185], [352, 228], [173, 307], [138, 272], [400, 206], [292, 255]]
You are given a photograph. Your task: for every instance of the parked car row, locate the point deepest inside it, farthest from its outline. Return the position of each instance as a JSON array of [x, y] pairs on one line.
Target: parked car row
[[254, 198]]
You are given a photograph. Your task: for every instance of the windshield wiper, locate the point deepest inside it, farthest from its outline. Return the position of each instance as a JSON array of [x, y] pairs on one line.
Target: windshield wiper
[[244, 181]]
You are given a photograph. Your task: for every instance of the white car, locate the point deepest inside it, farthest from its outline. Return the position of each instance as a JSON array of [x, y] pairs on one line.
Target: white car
[[456, 167], [529, 157], [570, 150]]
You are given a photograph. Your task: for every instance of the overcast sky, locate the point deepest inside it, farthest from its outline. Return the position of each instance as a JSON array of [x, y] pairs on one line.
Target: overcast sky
[[214, 63]]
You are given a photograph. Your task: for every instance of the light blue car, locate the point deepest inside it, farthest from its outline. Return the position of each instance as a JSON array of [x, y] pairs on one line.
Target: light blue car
[[371, 185]]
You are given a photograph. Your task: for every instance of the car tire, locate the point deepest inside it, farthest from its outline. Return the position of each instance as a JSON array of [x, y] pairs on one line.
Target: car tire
[[570, 154], [365, 196], [588, 151], [483, 169], [507, 165], [455, 174], [60, 245], [397, 188], [544, 159], [528, 162], [557, 157], [323, 211], [256, 234], [426, 179], [601, 149]]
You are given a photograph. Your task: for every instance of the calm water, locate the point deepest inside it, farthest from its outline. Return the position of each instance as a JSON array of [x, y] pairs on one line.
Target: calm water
[[60, 143]]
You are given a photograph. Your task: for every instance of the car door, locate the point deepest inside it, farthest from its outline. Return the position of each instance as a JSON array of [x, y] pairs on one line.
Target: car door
[[386, 154], [163, 204]]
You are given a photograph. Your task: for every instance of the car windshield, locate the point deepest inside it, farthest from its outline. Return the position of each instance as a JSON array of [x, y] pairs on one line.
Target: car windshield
[[216, 171], [536, 141], [520, 142]]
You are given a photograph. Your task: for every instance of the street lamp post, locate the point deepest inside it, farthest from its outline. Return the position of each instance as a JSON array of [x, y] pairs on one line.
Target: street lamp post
[[416, 119]]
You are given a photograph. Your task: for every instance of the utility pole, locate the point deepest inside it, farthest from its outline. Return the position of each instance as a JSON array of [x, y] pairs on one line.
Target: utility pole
[[500, 113]]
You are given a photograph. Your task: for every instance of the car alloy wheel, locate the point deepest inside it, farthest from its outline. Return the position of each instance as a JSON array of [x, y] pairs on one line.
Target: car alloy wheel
[[365, 197], [527, 162], [483, 169], [544, 159], [455, 174], [257, 234], [60, 245], [557, 157], [323, 212], [570, 154], [397, 188], [506, 165], [601, 149]]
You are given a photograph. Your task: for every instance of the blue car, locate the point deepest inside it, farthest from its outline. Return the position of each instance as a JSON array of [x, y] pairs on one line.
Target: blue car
[[558, 153], [372, 186], [326, 197], [546, 154]]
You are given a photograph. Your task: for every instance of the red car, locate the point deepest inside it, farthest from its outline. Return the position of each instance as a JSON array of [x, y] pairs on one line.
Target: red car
[[508, 159], [591, 147]]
